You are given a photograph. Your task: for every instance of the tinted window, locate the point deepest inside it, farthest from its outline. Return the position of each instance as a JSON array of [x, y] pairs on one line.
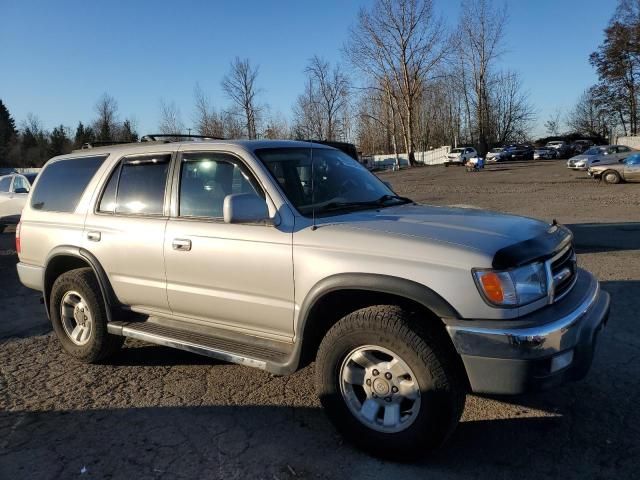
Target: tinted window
[[5, 184], [63, 183], [206, 178], [623, 149], [137, 186]]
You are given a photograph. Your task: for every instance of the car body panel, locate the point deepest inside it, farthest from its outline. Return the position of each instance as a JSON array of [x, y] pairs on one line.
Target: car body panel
[[11, 202]]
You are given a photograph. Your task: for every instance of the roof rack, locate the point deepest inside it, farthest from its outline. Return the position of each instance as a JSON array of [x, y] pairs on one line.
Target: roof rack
[[168, 137], [99, 144]]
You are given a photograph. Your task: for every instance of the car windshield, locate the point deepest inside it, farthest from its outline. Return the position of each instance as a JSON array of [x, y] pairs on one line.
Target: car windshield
[[496, 150], [31, 177], [594, 151], [457, 150], [334, 182]]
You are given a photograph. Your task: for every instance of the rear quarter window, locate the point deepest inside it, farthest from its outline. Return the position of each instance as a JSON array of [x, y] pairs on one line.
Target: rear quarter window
[[62, 183]]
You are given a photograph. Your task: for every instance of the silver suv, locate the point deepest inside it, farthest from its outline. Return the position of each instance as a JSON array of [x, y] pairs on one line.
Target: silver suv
[[275, 254]]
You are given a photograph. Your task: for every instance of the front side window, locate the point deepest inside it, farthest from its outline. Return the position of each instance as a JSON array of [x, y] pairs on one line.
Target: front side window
[[207, 178], [137, 186], [623, 149], [63, 182], [20, 182], [5, 184], [332, 184]]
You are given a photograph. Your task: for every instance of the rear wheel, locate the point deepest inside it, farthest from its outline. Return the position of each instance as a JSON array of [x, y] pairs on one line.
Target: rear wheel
[[79, 317], [391, 385], [611, 176]]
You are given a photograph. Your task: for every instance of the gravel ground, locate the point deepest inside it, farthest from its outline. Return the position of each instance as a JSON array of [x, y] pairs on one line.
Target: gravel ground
[[152, 412]]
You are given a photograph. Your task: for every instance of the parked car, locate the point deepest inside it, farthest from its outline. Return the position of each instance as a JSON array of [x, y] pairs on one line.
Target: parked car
[[460, 156], [518, 152], [226, 249], [602, 155], [495, 155], [626, 171], [562, 147], [14, 189], [545, 153], [580, 146]]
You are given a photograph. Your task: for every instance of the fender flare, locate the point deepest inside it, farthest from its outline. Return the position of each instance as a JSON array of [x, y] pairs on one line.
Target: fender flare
[[372, 282], [108, 294]]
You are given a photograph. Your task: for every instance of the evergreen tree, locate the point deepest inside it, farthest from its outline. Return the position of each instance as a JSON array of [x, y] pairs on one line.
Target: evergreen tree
[[83, 135], [8, 133], [128, 133], [59, 142]]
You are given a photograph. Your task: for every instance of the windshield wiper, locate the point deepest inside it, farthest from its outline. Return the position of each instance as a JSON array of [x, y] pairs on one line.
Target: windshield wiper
[[380, 202]]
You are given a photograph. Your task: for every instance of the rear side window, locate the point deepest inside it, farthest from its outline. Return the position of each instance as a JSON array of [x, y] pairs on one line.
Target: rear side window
[[137, 186], [62, 183], [5, 184]]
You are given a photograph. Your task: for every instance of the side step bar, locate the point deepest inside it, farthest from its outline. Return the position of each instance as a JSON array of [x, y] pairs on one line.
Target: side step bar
[[246, 353]]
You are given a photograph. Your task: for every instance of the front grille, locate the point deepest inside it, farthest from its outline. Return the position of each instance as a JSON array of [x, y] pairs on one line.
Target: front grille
[[563, 272]]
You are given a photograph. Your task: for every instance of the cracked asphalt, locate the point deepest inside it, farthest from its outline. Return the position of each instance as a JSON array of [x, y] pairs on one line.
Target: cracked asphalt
[[153, 412]]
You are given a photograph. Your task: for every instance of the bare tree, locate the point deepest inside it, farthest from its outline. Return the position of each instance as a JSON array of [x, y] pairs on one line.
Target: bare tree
[[590, 115], [106, 125], [399, 43], [329, 92], [510, 114], [240, 87], [552, 124], [206, 119], [480, 34], [170, 119], [276, 127]]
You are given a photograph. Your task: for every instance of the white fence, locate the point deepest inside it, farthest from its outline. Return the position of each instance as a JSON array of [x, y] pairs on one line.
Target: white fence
[[430, 157], [631, 142], [8, 170]]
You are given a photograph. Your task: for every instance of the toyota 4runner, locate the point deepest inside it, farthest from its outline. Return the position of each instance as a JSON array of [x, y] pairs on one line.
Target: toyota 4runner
[[274, 254]]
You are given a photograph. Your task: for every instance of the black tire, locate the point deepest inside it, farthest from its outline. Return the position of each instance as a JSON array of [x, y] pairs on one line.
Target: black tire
[[611, 176], [425, 348], [100, 343]]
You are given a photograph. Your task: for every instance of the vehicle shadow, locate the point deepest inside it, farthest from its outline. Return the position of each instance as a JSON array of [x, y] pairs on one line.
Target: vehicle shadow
[[605, 237], [258, 441]]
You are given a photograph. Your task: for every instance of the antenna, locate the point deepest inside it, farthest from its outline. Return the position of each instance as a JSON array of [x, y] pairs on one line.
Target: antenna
[[314, 227]]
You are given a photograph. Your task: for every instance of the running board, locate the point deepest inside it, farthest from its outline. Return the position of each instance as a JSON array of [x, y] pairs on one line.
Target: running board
[[246, 353]]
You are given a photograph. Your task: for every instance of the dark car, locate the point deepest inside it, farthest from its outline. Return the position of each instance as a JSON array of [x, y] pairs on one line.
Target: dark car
[[518, 152]]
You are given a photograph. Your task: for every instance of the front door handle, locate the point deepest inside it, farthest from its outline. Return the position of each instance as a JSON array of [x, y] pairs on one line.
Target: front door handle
[[94, 236], [181, 244]]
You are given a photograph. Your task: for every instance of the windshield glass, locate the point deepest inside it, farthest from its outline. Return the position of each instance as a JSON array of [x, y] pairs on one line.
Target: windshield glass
[[593, 151], [31, 177], [338, 183], [457, 150], [496, 150]]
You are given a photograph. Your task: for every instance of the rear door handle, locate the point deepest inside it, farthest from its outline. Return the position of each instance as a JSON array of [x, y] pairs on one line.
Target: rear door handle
[[94, 236], [181, 244]]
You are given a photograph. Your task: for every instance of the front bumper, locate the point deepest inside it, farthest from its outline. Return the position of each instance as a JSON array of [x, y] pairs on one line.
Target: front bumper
[[543, 349]]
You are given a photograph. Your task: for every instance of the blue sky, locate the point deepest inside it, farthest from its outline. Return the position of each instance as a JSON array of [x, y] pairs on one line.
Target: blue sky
[[57, 57]]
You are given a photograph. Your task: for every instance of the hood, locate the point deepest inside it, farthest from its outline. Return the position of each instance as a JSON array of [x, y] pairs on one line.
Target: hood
[[469, 228]]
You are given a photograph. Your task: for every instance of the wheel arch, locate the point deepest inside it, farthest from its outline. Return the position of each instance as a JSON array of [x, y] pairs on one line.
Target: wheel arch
[[335, 296], [67, 257]]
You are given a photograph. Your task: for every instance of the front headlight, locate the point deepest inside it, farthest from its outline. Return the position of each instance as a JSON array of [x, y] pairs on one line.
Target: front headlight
[[511, 288]]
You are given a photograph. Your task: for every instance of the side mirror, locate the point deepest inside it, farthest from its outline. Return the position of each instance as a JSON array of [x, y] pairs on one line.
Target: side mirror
[[245, 208], [21, 190]]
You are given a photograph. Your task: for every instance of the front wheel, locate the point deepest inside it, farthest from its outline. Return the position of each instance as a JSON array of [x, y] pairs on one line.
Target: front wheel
[[611, 176], [390, 382]]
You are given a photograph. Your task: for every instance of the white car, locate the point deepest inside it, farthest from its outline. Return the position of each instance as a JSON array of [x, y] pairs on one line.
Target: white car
[[602, 155], [495, 155], [460, 156], [14, 189]]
